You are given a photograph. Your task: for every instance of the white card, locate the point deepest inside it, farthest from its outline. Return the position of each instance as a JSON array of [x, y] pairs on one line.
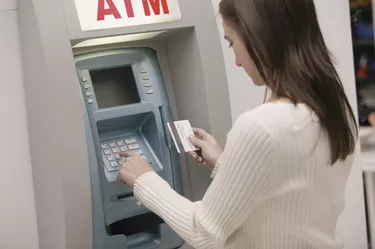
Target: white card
[[181, 131]]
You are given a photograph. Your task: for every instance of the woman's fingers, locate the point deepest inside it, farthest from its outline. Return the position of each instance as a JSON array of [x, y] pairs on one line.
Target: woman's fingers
[[200, 132], [197, 158], [196, 142]]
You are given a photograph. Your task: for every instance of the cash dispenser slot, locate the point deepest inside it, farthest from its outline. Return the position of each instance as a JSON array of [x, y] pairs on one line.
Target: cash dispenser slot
[[121, 197], [141, 231]]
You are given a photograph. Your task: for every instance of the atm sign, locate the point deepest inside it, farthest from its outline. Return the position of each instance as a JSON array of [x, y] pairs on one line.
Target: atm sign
[[105, 14]]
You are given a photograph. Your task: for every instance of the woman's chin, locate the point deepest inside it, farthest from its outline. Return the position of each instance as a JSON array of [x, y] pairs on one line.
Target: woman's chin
[[258, 83]]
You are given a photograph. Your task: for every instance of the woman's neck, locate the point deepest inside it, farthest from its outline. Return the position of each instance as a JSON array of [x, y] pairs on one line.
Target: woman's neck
[[273, 99]]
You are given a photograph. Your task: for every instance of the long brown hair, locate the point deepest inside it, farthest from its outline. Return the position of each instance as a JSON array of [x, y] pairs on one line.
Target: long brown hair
[[284, 40]]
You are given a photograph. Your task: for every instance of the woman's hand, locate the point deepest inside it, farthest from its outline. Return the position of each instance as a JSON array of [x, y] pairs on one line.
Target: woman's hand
[[371, 119], [211, 151], [134, 167]]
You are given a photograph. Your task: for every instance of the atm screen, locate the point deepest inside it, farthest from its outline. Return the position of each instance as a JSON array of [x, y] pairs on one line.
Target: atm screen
[[114, 87]]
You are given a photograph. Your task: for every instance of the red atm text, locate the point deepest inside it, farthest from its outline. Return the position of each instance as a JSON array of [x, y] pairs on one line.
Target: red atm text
[[148, 5]]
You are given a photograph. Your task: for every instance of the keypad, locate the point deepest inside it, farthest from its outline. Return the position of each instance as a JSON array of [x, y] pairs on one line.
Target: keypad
[[123, 148], [112, 150], [130, 141], [138, 152], [133, 146]]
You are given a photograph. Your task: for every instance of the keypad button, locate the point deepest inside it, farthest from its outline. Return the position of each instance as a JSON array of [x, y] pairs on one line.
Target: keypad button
[[145, 77], [139, 152], [146, 159], [150, 91], [104, 146], [148, 84], [120, 143], [117, 156], [130, 141], [115, 150], [84, 78], [133, 146], [114, 164], [123, 148], [122, 160], [88, 94], [86, 86], [110, 158], [143, 70], [113, 144], [107, 152], [90, 101]]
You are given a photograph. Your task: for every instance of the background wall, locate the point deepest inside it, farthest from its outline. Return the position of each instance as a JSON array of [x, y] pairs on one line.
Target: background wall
[[335, 23], [336, 30], [18, 227], [8, 5]]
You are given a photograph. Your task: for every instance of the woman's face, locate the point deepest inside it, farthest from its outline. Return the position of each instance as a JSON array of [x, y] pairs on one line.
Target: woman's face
[[243, 58]]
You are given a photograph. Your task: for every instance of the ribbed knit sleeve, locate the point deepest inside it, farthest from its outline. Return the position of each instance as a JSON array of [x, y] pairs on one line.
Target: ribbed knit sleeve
[[241, 183], [215, 169]]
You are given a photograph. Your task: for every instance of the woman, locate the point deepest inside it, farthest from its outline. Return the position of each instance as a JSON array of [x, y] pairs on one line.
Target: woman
[[371, 119], [280, 181]]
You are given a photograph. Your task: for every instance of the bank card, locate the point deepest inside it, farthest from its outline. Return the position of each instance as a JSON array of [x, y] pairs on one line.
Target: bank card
[[181, 131]]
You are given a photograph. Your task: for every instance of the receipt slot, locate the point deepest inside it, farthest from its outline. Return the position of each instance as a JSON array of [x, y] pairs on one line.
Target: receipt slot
[[127, 108]]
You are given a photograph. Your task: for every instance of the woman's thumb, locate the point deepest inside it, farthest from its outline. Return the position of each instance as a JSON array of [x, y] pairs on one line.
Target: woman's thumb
[[196, 141]]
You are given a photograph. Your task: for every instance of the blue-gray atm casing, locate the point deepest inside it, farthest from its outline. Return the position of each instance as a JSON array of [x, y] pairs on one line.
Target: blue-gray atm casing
[[146, 122]]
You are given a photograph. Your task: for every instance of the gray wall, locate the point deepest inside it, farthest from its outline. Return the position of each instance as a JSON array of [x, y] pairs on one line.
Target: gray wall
[[57, 141], [18, 227]]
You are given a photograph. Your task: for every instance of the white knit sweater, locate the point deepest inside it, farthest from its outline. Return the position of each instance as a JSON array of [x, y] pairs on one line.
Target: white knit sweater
[[273, 187]]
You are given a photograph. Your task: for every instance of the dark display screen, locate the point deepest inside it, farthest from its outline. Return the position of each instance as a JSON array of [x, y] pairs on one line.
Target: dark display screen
[[114, 87]]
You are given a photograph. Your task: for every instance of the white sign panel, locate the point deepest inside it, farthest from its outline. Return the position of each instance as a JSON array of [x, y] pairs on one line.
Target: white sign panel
[[105, 14]]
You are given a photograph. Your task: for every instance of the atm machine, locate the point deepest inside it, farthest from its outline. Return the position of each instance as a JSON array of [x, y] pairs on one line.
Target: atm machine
[[127, 109], [107, 76]]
